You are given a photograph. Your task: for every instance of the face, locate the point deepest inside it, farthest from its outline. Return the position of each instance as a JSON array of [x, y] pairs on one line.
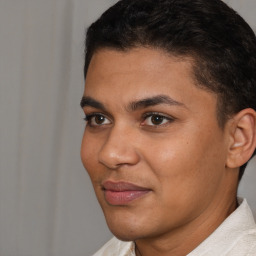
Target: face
[[152, 145]]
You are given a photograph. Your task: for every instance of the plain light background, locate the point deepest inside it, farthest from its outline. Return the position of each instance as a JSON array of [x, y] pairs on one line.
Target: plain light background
[[47, 204]]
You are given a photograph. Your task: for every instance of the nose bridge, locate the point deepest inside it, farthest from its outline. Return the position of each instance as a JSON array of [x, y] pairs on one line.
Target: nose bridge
[[119, 148]]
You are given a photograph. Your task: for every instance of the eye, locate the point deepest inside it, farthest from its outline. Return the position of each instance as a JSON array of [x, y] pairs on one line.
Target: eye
[[156, 119], [96, 120]]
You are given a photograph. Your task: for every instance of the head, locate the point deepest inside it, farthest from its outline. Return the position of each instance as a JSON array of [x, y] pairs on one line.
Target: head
[[200, 54], [220, 42]]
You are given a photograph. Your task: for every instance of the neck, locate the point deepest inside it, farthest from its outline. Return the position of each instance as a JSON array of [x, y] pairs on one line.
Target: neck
[[137, 251], [185, 239]]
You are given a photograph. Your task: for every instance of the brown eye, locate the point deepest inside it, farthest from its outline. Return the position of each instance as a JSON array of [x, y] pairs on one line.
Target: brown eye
[[99, 119], [94, 120], [157, 120]]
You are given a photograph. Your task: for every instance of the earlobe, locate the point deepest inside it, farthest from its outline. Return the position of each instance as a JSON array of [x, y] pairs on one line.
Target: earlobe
[[242, 138]]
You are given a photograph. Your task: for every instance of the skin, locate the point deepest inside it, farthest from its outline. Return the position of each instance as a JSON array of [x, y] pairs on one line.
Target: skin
[[182, 159]]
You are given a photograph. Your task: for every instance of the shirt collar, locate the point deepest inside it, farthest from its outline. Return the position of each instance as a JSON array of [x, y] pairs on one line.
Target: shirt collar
[[237, 224]]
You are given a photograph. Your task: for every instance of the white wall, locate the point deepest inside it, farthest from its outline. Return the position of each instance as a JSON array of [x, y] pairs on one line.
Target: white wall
[[47, 205]]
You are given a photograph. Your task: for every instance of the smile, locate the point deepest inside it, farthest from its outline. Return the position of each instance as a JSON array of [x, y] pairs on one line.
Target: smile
[[122, 193]]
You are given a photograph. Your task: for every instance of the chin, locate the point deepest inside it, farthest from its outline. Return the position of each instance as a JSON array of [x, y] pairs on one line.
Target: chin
[[126, 234], [124, 238], [125, 228]]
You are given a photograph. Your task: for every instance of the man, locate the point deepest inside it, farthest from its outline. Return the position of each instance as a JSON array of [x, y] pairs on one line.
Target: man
[[169, 102]]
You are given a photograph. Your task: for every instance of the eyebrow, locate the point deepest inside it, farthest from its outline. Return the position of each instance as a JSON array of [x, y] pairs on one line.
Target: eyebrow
[[134, 105], [88, 101], [152, 101]]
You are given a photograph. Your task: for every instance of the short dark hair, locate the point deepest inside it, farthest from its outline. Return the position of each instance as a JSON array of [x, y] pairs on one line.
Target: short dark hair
[[221, 44]]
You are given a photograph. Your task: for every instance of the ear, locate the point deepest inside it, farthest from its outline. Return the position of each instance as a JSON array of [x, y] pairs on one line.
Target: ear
[[242, 138]]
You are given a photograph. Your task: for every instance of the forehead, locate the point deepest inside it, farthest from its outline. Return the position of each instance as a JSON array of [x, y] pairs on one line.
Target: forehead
[[122, 76], [138, 64], [143, 58]]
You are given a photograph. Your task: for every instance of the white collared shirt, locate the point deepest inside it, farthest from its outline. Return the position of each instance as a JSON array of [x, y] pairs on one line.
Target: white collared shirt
[[236, 236]]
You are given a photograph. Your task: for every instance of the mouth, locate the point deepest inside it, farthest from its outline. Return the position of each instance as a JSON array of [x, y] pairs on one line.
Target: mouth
[[122, 193]]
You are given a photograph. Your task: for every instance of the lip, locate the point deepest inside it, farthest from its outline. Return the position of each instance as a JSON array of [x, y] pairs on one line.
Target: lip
[[122, 193]]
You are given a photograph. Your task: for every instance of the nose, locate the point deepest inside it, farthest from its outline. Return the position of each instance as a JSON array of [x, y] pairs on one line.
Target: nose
[[119, 149]]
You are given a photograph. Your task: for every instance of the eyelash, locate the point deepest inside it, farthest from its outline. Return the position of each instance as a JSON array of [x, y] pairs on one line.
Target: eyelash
[[88, 118], [168, 119]]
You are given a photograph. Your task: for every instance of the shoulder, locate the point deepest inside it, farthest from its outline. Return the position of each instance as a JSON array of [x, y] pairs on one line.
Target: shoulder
[[252, 251], [241, 232], [236, 236], [115, 247], [245, 243]]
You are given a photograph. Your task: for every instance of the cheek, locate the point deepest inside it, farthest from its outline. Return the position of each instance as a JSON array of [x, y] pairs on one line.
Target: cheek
[[186, 164], [83, 152], [168, 157], [88, 154]]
